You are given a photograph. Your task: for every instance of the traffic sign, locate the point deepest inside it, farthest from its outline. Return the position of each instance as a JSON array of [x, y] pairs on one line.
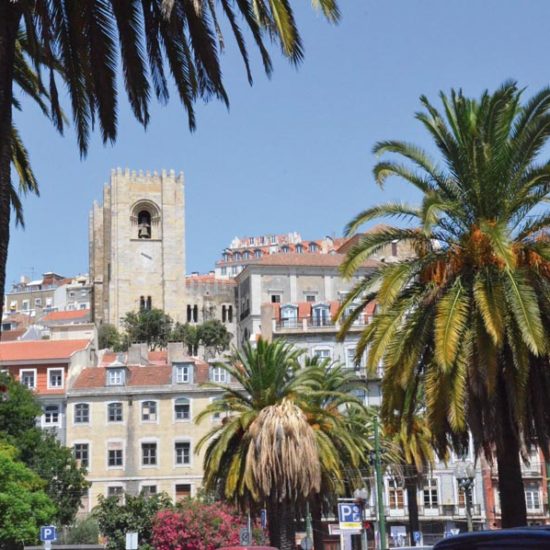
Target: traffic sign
[[48, 533], [244, 536], [349, 516], [307, 543], [263, 518], [417, 536]]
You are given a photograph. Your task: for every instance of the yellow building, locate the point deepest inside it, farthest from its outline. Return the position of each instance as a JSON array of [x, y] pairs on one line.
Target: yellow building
[[130, 421]]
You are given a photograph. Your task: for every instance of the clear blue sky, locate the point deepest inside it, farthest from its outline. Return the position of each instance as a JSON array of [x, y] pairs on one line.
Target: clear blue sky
[[293, 153]]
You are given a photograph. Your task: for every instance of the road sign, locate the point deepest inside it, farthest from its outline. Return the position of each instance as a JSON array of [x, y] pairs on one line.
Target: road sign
[[455, 531], [48, 533], [131, 541], [263, 518], [306, 543], [417, 536], [349, 516], [244, 536]]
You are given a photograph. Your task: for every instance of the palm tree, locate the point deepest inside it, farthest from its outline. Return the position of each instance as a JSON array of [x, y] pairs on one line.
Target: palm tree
[[467, 317], [152, 38], [284, 436]]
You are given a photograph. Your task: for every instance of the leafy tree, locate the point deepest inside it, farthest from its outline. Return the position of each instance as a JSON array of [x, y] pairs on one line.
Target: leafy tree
[[195, 525], [84, 531], [24, 506], [214, 336], [109, 337], [117, 516], [64, 481], [151, 326], [146, 39], [467, 318], [189, 335]]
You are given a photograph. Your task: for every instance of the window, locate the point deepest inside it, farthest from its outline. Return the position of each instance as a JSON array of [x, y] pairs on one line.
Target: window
[[183, 453], [350, 358], [116, 491], [461, 497], [115, 377], [532, 496], [114, 458], [257, 253], [51, 414], [320, 316], [144, 225], [81, 413], [431, 496], [25, 305], [149, 411], [142, 303], [322, 353], [395, 495], [55, 378], [114, 412], [28, 378], [246, 255], [183, 490], [285, 249], [149, 304], [219, 375], [289, 316], [224, 270], [237, 256], [230, 314], [224, 314], [38, 302], [81, 453], [184, 374], [195, 313], [313, 247], [273, 239], [299, 249], [251, 241], [149, 490], [182, 409], [149, 454], [394, 248], [310, 298], [189, 314]]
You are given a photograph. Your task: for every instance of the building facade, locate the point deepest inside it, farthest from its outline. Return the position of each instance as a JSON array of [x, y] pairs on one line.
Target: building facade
[[137, 246]]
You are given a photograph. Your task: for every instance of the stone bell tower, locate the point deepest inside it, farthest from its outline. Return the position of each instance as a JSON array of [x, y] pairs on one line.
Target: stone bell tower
[[137, 245]]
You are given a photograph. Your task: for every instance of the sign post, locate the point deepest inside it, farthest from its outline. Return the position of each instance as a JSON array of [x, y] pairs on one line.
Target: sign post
[[349, 516], [48, 533]]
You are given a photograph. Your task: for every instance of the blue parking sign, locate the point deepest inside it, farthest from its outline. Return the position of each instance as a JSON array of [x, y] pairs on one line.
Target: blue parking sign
[[349, 515], [48, 533]]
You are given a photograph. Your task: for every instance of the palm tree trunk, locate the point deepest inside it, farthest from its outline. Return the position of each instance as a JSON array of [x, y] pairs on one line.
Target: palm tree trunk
[[411, 483], [9, 23], [510, 480], [317, 521], [282, 531]]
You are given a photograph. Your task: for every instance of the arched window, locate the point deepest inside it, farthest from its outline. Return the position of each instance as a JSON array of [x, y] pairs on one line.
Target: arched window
[[224, 314], [182, 408], [141, 303], [144, 224], [230, 314], [195, 313]]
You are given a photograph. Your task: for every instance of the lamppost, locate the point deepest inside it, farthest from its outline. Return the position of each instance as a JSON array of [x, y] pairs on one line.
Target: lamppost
[[465, 474], [361, 497]]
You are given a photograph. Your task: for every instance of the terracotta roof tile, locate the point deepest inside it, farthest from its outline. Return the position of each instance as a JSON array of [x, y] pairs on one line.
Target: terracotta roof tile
[[35, 350], [67, 315]]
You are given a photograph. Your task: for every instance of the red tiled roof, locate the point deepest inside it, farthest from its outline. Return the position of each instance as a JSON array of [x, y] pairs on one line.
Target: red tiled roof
[[66, 315], [35, 350], [312, 260], [159, 375], [154, 357]]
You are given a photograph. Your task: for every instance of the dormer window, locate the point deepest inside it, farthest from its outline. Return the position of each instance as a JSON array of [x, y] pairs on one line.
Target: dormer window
[[183, 373], [115, 377], [246, 255], [289, 316], [313, 247], [284, 249], [257, 253], [299, 249]]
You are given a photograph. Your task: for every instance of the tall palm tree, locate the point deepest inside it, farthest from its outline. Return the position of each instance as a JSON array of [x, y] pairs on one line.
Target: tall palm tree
[[147, 39], [283, 437], [468, 316]]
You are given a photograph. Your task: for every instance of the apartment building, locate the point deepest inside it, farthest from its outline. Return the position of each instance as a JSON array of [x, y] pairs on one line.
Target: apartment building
[[48, 368], [130, 421]]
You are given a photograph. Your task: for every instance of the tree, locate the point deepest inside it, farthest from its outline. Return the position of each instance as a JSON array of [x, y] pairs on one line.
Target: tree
[[189, 335], [196, 525], [64, 481], [213, 335], [284, 435], [24, 506], [467, 317], [151, 326], [108, 337], [153, 38], [118, 515]]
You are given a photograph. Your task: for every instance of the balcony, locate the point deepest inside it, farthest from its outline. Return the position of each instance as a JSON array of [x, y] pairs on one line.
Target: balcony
[[315, 324]]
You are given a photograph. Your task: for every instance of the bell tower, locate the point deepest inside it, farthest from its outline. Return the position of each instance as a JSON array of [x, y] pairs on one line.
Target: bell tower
[[137, 245]]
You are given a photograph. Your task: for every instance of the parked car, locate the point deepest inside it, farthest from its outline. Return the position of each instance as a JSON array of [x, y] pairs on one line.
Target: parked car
[[507, 539]]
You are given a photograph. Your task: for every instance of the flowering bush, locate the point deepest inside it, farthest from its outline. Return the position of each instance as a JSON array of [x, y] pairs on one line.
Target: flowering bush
[[195, 525]]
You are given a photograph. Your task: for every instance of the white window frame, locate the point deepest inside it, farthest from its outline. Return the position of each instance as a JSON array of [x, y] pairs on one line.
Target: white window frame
[[74, 414], [157, 411], [34, 372], [183, 465], [219, 375], [175, 402], [107, 421], [112, 373], [116, 441], [428, 487], [49, 371], [25, 305], [350, 363], [144, 484], [185, 378], [316, 352], [84, 442], [533, 489], [150, 441], [114, 485], [59, 416]]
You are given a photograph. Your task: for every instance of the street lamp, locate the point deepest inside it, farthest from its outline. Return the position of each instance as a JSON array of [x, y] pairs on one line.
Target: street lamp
[[465, 474], [361, 497]]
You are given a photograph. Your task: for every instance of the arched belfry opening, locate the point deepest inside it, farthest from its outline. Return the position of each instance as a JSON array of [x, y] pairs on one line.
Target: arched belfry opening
[[145, 218]]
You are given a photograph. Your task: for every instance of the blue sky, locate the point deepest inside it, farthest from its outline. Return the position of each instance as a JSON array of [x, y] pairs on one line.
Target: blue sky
[[293, 153]]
